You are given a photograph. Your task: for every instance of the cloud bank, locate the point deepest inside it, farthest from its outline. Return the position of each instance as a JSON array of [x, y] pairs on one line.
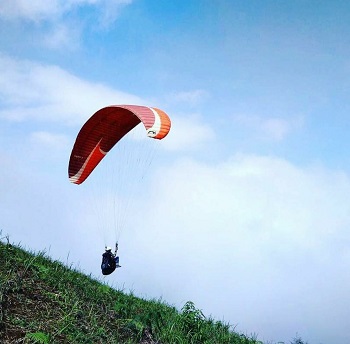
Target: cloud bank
[[41, 10], [256, 239], [60, 24], [35, 91], [269, 128]]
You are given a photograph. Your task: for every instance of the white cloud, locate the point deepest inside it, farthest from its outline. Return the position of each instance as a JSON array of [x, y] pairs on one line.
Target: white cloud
[[62, 35], [35, 10], [188, 133], [31, 90], [58, 24], [191, 98], [265, 240], [110, 10], [54, 140], [270, 128], [43, 10]]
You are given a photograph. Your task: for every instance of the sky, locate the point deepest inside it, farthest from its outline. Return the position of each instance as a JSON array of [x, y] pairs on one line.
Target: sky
[[245, 206]]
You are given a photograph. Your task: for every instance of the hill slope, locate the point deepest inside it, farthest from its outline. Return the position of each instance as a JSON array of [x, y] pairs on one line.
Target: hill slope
[[43, 301]]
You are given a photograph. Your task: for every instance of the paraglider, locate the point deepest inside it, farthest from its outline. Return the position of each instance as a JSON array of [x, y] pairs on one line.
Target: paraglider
[[110, 261], [105, 128], [101, 132]]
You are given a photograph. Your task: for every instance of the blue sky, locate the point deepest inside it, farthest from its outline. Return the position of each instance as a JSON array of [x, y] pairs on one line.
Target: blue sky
[[248, 196]]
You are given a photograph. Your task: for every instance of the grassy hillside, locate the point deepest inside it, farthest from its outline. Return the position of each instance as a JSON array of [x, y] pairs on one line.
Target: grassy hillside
[[43, 301]]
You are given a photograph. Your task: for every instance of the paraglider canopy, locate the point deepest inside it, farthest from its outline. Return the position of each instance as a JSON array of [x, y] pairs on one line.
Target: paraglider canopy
[[105, 128]]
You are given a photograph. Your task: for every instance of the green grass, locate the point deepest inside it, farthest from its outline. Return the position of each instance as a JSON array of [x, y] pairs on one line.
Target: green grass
[[44, 301]]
